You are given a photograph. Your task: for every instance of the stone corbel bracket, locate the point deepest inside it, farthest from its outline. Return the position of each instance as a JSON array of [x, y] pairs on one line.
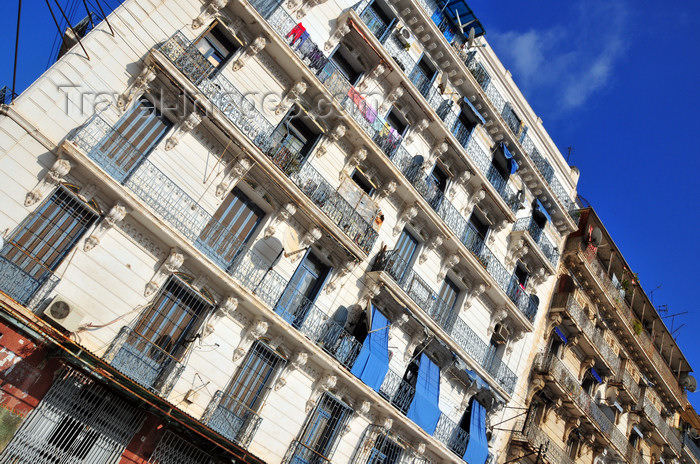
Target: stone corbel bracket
[[448, 262], [210, 11], [324, 384], [518, 249], [331, 137], [518, 335], [297, 362], [308, 239], [418, 128], [225, 309], [291, 96], [353, 161], [434, 243], [386, 190], [344, 270], [137, 87], [438, 150], [462, 180], [374, 74], [474, 199], [185, 125], [537, 279], [408, 213], [497, 316], [171, 265], [283, 214], [115, 216], [252, 333], [234, 173], [391, 98], [342, 28], [251, 50], [475, 291], [415, 340], [59, 170], [496, 229]]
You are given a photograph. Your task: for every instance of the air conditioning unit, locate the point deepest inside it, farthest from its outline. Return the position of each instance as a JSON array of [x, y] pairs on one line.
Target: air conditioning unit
[[64, 313], [405, 37], [501, 334]]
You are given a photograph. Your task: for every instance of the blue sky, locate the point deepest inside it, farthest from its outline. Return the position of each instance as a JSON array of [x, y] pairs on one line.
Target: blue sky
[[617, 80]]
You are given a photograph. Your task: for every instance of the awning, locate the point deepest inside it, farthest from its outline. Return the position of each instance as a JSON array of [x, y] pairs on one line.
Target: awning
[[372, 363], [474, 111], [424, 409], [478, 447], [596, 375], [480, 383], [466, 16], [561, 335], [539, 207], [512, 164]]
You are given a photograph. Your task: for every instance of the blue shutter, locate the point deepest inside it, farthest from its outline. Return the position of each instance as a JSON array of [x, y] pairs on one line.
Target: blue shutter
[[424, 409], [372, 363], [478, 446]]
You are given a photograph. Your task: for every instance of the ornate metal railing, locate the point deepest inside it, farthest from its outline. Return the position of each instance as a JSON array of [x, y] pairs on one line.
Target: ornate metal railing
[[255, 273], [450, 434], [24, 278], [671, 435], [629, 319], [537, 233], [335, 206], [624, 378], [374, 23], [231, 418], [386, 138], [445, 316], [299, 453], [144, 361], [483, 162], [397, 391], [585, 325], [691, 446], [551, 451]]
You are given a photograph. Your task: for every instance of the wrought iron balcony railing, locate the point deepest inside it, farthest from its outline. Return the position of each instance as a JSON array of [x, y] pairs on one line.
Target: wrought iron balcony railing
[[445, 316], [23, 278], [626, 380], [671, 435], [535, 436], [242, 113], [386, 138], [374, 23], [255, 273], [299, 453], [586, 326], [691, 446], [450, 434], [144, 361], [537, 233], [231, 418], [397, 391]]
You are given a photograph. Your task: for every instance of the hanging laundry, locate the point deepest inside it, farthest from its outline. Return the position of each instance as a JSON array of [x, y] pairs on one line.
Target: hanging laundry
[[296, 33]]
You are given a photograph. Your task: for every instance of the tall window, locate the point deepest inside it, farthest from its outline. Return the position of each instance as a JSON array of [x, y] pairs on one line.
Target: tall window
[[216, 46], [235, 415], [384, 451], [437, 185], [444, 305], [476, 233], [293, 140], [161, 335], [230, 228], [348, 65], [422, 75], [41, 242], [302, 290], [402, 257], [321, 432], [132, 140]]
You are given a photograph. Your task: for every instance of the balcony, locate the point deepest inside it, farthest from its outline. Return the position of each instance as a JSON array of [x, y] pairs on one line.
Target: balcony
[[23, 278], [144, 362], [379, 446], [691, 447], [397, 391], [628, 387], [231, 418], [299, 453], [663, 430], [374, 23], [537, 235], [450, 434], [446, 317], [538, 440], [629, 320], [568, 303], [242, 113]]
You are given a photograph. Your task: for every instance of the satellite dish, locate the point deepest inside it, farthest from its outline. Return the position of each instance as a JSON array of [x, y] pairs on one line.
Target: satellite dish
[[693, 433], [596, 237], [291, 242], [471, 38], [689, 383]]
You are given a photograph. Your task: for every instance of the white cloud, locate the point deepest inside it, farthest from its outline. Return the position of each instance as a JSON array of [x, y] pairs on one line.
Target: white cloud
[[568, 65]]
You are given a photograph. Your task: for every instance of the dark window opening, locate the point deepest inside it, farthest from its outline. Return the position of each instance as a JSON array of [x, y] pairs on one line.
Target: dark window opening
[[362, 181], [347, 63], [501, 164], [521, 274], [293, 140], [397, 121], [216, 46], [438, 177], [479, 225], [589, 383]]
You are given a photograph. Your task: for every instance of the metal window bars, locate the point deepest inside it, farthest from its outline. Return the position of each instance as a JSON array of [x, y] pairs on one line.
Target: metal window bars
[[151, 352], [379, 446], [173, 449], [231, 418], [551, 451], [78, 420], [374, 22]]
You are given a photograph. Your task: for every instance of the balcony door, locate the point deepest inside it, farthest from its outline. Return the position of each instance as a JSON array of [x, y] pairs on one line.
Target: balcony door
[[305, 285], [322, 430], [404, 251]]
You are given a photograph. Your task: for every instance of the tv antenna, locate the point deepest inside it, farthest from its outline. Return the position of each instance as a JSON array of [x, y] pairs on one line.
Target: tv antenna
[[651, 293], [569, 149]]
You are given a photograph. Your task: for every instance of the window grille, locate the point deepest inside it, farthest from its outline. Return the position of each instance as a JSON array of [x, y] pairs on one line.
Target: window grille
[[320, 434], [378, 447], [172, 449], [77, 422], [41, 242], [233, 412], [151, 352]]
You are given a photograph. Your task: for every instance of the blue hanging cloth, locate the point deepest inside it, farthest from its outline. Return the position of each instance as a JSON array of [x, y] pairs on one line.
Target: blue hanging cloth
[[561, 335], [424, 409], [509, 158], [478, 447], [372, 363], [540, 207]]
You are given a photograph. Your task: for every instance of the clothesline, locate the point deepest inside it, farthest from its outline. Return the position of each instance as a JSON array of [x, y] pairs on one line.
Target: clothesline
[[378, 123]]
